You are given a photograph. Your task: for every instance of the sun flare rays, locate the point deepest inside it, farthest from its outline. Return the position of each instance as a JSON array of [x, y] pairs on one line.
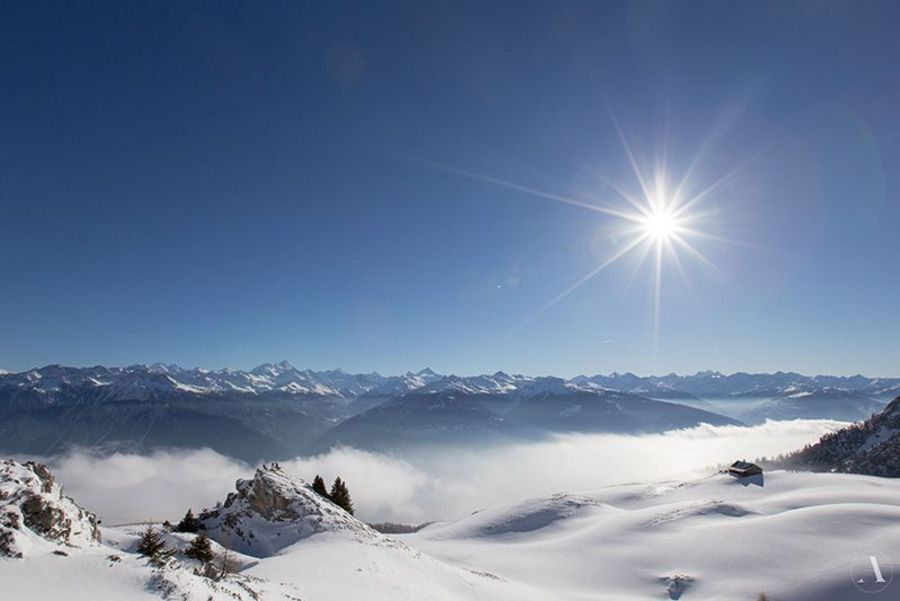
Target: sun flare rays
[[661, 223]]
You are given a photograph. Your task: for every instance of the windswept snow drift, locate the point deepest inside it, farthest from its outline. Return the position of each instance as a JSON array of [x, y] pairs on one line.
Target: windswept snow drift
[[793, 536]]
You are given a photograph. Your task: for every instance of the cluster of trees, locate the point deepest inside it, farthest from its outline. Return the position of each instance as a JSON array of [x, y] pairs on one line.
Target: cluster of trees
[[153, 546], [215, 566], [339, 494]]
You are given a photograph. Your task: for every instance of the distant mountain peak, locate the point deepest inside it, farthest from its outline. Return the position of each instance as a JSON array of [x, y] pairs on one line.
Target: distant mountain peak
[[165, 368]]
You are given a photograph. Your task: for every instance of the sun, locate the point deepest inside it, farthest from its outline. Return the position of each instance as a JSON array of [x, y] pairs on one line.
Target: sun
[[660, 224]]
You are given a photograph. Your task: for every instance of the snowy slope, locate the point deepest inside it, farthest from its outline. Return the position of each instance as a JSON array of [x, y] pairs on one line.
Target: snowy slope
[[322, 553], [793, 536]]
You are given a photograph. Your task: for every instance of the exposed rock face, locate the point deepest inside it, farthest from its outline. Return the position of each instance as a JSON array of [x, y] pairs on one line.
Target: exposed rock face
[[274, 510], [35, 515]]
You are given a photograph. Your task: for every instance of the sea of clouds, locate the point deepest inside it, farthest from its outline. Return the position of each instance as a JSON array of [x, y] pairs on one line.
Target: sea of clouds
[[431, 485]]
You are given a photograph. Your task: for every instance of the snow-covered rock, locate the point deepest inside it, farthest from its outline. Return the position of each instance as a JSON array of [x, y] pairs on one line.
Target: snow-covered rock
[[273, 510], [34, 513]]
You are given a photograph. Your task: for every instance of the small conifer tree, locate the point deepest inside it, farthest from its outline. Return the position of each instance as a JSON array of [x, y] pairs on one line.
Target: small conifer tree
[[152, 545], [340, 495], [319, 486], [200, 549], [189, 523]]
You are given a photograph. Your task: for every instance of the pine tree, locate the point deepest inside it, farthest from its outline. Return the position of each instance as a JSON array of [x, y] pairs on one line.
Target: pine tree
[[200, 549], [319, 486], [340, 495], [152, 545], [189, 523]]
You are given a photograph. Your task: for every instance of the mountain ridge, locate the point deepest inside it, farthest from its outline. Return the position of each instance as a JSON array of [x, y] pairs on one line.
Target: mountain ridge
[[276, 410], [285, 378]]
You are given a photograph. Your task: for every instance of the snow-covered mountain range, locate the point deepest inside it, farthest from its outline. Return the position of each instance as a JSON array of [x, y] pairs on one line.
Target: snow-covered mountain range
[[146, 381], [277, 410], [139, 382]]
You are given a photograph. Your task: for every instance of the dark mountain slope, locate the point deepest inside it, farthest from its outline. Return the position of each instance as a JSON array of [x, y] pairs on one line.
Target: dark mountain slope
[[872, 447], [455, 412]]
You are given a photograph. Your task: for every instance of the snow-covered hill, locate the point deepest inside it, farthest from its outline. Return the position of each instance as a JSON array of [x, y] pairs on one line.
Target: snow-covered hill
[[793, 536]]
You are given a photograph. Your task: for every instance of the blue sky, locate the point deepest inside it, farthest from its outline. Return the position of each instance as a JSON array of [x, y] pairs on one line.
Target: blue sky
[[222, 184]]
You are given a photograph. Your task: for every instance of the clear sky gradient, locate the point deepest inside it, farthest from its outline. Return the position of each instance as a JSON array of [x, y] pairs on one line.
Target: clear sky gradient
[[223, 184]]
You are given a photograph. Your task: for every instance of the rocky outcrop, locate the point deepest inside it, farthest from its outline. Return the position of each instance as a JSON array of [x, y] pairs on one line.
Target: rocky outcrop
[[274, 510], [35, 516]]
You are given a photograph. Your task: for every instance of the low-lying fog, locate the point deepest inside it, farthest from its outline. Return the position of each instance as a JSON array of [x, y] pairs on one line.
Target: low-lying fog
[[427, 486]]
